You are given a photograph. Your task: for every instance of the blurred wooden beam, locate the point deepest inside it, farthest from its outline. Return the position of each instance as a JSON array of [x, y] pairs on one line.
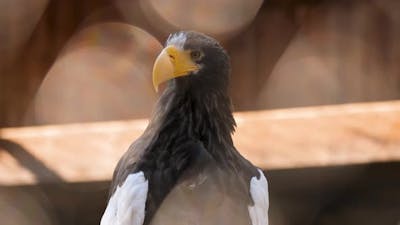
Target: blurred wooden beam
[[278, 139]]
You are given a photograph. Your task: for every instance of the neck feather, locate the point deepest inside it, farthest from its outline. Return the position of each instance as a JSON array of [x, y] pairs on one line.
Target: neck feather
[[207, 117]]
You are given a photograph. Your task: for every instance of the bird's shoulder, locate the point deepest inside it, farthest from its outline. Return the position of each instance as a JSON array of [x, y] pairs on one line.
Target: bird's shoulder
[[127, 163], [190, 177]]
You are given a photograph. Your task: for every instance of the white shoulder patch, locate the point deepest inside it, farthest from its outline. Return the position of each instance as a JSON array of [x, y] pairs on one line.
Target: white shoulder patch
[[259, 193], [126, 206]]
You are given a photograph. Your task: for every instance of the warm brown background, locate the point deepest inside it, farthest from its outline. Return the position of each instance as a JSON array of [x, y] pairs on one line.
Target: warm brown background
[[294, 53], [66, 61]]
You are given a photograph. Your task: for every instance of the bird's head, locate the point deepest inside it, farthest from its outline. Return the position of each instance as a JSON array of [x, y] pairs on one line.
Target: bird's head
[[194, 60]]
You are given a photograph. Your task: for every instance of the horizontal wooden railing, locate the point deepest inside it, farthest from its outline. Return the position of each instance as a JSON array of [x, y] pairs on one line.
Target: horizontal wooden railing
[[276, 139]]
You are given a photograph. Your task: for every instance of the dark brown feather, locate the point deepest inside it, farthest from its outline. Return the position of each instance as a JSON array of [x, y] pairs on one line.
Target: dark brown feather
[[187, 140]]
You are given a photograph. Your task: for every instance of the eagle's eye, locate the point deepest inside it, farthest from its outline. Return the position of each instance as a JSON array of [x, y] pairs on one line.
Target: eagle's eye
[[196, 55]]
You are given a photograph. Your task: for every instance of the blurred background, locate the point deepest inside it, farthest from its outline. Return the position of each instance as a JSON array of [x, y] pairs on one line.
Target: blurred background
[[75, 61], [70, 61]]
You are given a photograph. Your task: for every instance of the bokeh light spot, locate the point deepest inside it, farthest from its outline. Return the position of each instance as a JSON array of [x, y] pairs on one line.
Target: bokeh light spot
[[219, 18], [104, 73]]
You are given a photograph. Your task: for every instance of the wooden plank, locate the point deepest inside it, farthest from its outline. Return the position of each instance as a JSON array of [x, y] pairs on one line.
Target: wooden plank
[[289, 138]]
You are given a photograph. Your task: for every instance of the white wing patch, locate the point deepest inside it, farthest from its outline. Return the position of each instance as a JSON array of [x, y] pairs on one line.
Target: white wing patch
[[259, 193], [126, 206]]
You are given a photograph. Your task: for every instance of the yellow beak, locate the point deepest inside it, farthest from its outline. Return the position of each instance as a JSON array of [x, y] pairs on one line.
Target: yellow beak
[[171, 63]]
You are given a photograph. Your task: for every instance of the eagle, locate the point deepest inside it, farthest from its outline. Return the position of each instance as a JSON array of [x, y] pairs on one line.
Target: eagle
[[184, 169]]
